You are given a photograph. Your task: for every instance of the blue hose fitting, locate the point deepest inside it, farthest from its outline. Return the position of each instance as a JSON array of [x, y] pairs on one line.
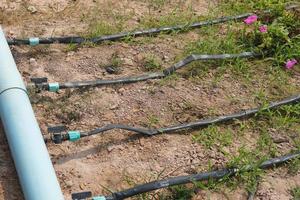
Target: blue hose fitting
[[34, 41], [53, 87], [99, 198], [74, 135]]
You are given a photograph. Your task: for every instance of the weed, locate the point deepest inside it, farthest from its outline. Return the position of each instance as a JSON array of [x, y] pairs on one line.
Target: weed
[[294, 166], [216, 44], [296, 193], [169, 80], [71, 47], [181, 192], [151, 63], [116, 61], [212, 136], [103, 28], [245, 159], [175, 17], [153, 120]]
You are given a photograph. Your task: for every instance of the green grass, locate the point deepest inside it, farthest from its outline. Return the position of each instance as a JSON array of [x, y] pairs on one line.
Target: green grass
[[243, 160], [296, 193], [151, 63], [211, 42], [153, 120], [169, 80], [71, 47], [213, 137], [285, 120], [240, 6], [181, 192], [100, 28], [176, 17]]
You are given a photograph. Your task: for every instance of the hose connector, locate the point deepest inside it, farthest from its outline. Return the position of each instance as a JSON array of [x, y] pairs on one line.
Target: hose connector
[[34, 41], [99, 198], [53, 87], [40, 83], [58, 135], [73, 135]]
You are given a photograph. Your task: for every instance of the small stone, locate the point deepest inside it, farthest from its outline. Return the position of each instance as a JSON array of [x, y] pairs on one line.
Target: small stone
[[121, 90], [166, 58], [114, 107], [112, 69], [32, 9], [33, 62], [110, 148], [69, 183], [142, 142], [82, 186], [71, 53]]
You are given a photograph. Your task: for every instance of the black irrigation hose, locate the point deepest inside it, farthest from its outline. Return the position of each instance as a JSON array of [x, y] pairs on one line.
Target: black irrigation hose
[[157, 75], [195, 57], [118, 36], [180, 180], [101, 82], [195, 124], [192, 125]]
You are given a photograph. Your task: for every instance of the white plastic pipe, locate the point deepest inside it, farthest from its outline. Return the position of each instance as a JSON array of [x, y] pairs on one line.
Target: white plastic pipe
[[35, 170]]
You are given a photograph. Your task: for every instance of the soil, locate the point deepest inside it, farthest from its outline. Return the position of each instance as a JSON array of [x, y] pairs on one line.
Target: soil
[[115, 159]]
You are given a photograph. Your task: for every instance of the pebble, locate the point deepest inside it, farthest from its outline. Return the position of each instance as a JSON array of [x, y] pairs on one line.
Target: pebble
[[121, 90], [110, 148], [32, 9], [71, 53], [69, 183], [111, 69], [114, 107], [33, 62]]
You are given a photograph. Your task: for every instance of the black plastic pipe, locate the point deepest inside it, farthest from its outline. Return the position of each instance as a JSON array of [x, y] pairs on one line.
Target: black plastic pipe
[[55, 87], [212, 175], [75, 135], [119, 36]]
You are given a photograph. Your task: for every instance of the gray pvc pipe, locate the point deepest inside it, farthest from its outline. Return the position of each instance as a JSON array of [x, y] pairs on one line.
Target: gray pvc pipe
[[35, 170]]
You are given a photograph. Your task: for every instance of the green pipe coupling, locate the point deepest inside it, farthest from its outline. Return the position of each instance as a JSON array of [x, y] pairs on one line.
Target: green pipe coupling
[[34, 41], [53, 87], [99, 198], [74, 135]]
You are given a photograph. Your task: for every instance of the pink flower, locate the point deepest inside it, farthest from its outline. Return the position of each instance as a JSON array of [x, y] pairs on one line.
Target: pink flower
[[290, 63], [263, 28], [251, 19]]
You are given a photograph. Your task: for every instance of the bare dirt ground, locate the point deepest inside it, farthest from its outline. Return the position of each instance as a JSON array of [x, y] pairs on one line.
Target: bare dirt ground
[[114, 160]]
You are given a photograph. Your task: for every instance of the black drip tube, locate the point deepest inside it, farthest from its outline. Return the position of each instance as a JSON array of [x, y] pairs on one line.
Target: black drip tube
[[192, 125], [212, 175], [119, 36], [156, 75]]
